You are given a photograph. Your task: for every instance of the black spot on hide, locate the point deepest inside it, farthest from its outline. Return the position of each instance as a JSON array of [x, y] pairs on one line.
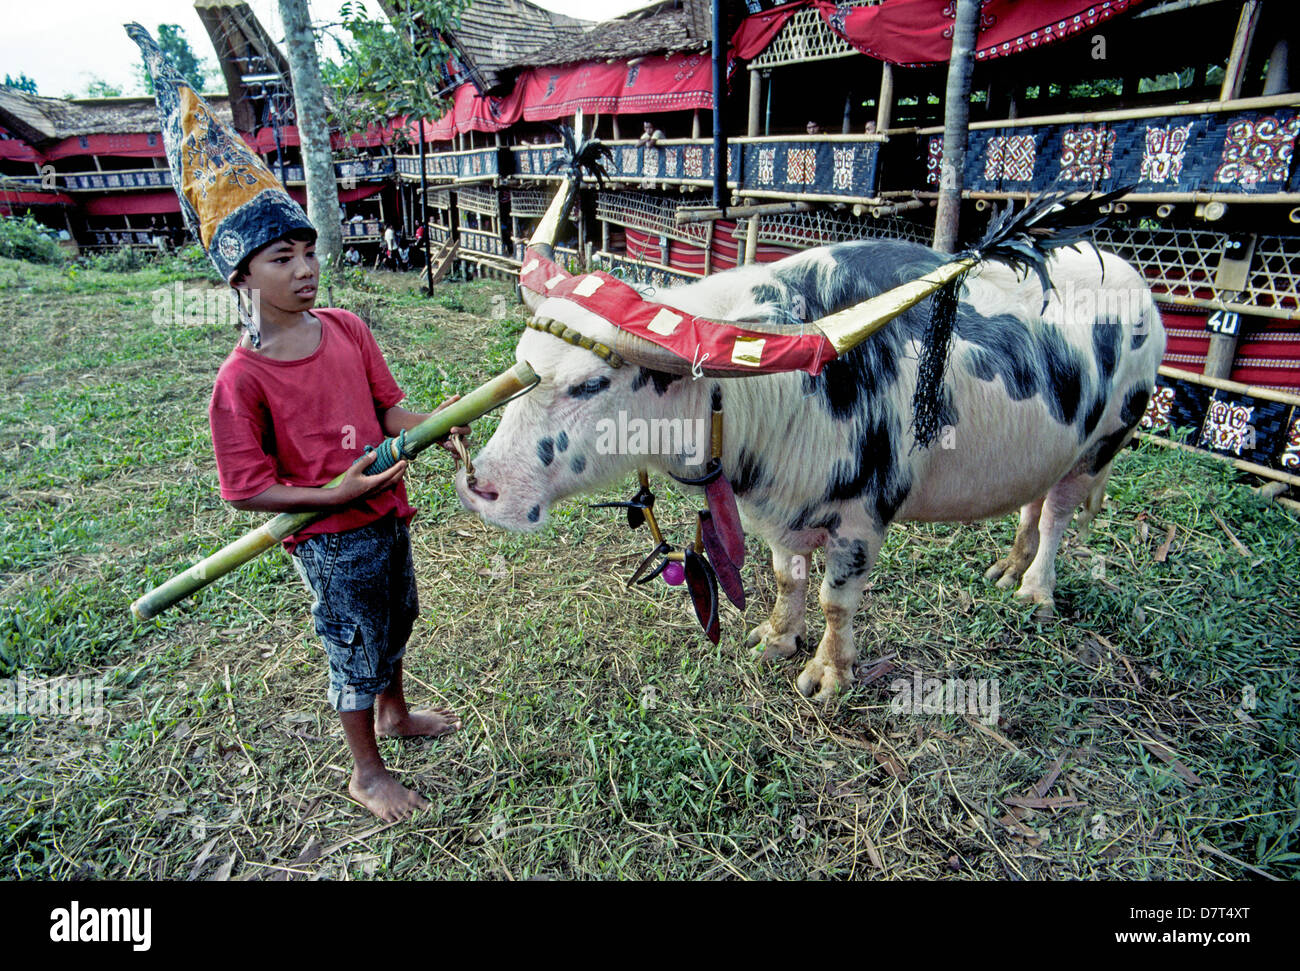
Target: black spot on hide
[[660, 380], [546, 451]]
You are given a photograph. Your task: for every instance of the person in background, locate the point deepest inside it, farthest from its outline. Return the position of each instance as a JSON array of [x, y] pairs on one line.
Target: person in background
[[650, 135], [353, 256], [814, 128]]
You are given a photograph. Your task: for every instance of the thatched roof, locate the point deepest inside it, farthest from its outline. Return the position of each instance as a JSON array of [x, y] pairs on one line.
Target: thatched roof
[[667, 27], [38, 120], [495, 35], [244, 47]]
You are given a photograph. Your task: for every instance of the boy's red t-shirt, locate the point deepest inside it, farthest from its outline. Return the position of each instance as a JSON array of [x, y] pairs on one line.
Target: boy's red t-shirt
[[301, 423]]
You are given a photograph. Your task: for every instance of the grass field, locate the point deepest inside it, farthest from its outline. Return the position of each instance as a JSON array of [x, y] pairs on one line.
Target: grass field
[[1150, 733]]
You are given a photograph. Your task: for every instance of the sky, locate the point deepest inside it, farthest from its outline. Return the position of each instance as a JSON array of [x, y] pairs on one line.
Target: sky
[[70, 42]]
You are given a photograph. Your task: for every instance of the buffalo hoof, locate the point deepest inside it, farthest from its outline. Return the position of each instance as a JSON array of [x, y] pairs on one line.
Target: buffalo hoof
[[1006, 572], [1046, 610], [822, 682], [776, 645]]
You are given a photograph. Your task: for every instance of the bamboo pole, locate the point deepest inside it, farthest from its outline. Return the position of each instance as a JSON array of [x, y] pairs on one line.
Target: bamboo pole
[[1235, 72], [1121, 114], [1236, 387], [885, 103], [1261, 470], [498, 391]]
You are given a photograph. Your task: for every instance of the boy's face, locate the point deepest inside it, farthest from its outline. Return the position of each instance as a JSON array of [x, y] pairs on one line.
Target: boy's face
[[284, 275]]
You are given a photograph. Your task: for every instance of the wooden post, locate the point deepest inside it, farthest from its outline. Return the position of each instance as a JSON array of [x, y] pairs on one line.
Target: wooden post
[[755, 102], [695, 123], [848, 113], [708, 247], [956, 125], [751, 239], [617, 136], [885, 103], [1241, 40]]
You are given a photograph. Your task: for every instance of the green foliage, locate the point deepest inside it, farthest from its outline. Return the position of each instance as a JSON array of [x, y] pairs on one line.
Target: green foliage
[[23, 238], [390, 68], [99, 88], [20, 83], [124, 259], [171, 38]]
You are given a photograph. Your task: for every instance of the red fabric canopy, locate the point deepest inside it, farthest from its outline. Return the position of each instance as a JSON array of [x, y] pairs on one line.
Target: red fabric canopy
[[670, 82], [133, 145], [916, 32], [263, 140], [131, 203], [16, 197], [13, 147]]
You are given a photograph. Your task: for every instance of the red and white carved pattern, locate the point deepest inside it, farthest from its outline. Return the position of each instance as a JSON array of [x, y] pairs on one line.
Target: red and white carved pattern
[[934, 160], [1291, 453], [670, 164], [801, 165], [650, 168], [1162, 157], [1086, 154], [1010, 157], [1158, 409], [693, 162], [1258, 151], [1227, 427], [630, 161], [766, 166]]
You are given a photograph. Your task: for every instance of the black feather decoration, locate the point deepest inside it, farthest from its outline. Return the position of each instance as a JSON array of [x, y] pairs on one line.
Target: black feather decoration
[[580, 155], [1024, 241]]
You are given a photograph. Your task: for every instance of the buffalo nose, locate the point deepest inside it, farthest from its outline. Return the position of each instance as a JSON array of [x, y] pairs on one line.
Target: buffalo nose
[[484, 490]]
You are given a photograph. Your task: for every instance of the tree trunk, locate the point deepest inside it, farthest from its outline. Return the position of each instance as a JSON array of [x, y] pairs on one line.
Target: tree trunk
[[956, 120], [313, 131]]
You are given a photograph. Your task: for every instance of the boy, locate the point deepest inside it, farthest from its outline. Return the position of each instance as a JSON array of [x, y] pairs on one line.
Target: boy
[[317, 389], [294, 404]]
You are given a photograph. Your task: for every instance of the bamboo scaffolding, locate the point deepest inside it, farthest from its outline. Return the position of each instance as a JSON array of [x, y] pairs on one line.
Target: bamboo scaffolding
[[477, 403], [1224, 384]]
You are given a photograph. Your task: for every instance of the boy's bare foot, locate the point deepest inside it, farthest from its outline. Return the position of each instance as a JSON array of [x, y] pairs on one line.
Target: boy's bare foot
[[385, 796], [428, 722]]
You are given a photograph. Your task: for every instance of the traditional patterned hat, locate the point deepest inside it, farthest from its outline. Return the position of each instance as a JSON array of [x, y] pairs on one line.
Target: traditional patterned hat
[[230, 200]]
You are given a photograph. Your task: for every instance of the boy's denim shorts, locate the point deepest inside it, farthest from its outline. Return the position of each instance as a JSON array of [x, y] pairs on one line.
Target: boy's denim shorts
[[366, 605]]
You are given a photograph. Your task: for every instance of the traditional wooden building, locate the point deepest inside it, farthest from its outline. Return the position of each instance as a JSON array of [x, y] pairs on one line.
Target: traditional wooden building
[[833, 116]]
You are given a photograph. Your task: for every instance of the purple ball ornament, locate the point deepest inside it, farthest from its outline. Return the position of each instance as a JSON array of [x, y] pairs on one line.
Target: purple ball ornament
[[674, 573]]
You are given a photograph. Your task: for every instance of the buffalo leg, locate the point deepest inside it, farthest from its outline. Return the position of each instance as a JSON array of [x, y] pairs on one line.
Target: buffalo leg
[[1010, 568], [1039, 583], [848, 564], [787, 625]]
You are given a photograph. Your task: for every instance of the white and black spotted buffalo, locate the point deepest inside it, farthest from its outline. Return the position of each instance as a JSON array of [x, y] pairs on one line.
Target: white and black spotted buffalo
[[1036, 405]]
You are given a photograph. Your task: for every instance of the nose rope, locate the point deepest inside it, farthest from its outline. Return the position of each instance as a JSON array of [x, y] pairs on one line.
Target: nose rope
[[457, 442]]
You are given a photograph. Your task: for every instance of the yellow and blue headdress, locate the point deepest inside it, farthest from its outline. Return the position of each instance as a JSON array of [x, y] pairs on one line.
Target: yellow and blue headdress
[[230, 200]]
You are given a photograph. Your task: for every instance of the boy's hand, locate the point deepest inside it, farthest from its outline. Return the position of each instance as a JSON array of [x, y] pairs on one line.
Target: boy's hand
[[461, 430], [357, 484]]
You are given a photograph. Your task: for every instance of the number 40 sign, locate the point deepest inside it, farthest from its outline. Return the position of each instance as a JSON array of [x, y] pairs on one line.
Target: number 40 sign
[[1224, 322]]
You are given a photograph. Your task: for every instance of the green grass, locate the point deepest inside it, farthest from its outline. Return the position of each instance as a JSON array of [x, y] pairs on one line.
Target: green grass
[[603, 735]]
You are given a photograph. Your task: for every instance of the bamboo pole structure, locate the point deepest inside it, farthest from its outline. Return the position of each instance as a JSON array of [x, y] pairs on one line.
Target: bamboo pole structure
[[1235, 72], [1123, 114], [498, 391], [1236, 387]]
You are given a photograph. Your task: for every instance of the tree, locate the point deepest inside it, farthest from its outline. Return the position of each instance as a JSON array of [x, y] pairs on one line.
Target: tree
[[392, 68], [171, 38], [956, 124], [313, 130], [97, 87], [20, 83]]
